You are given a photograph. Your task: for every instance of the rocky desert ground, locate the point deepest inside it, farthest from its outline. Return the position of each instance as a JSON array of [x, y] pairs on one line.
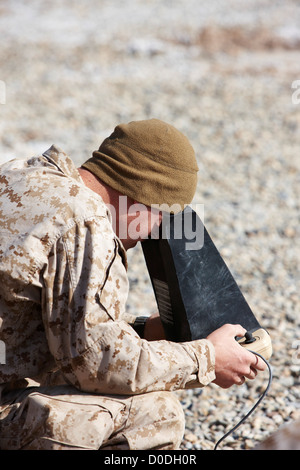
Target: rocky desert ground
[[227, 74]]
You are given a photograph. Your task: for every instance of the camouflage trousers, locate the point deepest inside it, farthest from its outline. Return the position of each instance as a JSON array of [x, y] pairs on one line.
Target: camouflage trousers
[[63, 418]]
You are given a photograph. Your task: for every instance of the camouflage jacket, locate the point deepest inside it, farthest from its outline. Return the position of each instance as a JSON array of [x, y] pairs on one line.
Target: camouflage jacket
[[64, 288]]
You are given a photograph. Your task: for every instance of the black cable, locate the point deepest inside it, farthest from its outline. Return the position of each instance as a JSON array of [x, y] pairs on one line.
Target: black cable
[[254, 407]]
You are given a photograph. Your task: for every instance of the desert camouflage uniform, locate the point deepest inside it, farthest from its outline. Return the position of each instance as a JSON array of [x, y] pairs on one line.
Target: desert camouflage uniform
[[63, 322]]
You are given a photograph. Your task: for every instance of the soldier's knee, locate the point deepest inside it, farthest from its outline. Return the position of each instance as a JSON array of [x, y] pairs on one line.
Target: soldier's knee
[[172, 412], [156, 422], [172, 405]]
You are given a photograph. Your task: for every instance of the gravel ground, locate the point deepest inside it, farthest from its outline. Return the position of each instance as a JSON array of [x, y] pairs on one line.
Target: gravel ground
[[220, 71]]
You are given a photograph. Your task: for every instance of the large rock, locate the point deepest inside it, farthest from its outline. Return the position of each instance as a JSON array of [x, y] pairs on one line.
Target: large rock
[[286, 438]]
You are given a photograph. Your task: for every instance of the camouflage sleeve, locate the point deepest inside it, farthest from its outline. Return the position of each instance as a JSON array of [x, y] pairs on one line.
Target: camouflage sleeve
[[88, 333]]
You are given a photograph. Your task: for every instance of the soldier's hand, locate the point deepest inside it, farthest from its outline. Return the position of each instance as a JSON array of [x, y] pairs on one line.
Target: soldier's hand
[[233, 363]]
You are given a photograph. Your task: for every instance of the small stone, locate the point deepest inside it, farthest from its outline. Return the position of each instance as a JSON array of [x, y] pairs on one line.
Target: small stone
[[191, 438]]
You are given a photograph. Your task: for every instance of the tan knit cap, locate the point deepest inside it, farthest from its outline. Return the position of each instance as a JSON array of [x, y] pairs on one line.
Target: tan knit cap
[[149, 161]]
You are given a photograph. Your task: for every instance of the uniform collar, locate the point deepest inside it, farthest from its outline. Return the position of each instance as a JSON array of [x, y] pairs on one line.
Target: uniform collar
[[62, 161]]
